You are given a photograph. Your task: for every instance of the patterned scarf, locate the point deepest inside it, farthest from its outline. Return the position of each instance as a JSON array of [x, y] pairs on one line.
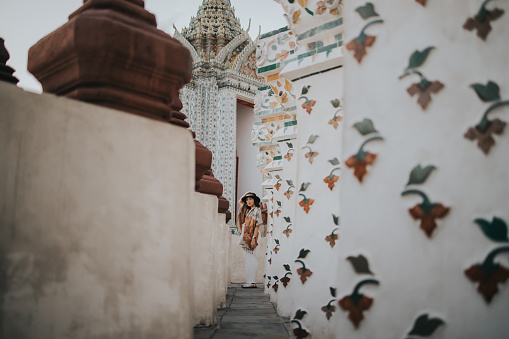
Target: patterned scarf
[[248, 231]]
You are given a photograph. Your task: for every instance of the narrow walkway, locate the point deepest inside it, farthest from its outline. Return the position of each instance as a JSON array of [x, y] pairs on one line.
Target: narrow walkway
[[249, 314]]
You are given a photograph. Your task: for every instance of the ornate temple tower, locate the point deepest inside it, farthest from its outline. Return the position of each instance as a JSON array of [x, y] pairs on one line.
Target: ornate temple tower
[[224, 74]]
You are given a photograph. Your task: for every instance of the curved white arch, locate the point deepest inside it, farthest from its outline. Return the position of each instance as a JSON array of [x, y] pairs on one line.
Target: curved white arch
[[246, 52], [185, 42], [226, 50]]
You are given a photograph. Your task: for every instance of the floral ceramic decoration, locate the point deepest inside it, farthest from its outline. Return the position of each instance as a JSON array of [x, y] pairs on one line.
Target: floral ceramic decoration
[[289, 154], [333, 237], [297, 9], [303, 272], [288, 193], [310, 154], [334, 122], [483, 132], [331, 179], [306, 202], [308, 103], [278, 210], [357, 303], [424, 326], [362, 159], [299, 332], [481, 22], [275, 286], [286, 279], [360, 44], [276, 249], [329, 308], [287, 231], [489, 274], [424, 88], [427, 212], [277, 49]]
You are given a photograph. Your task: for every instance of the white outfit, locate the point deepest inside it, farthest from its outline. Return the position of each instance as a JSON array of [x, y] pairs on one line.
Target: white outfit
[[251, 257]]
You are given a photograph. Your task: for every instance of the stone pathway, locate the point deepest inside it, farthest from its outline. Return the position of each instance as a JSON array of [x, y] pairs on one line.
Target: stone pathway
[[249, 314]]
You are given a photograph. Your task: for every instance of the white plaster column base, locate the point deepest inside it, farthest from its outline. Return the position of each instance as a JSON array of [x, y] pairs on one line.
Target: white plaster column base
[[203, 259]]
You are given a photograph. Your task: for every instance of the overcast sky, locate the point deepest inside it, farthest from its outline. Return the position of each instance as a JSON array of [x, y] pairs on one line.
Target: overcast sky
[[24, 22]]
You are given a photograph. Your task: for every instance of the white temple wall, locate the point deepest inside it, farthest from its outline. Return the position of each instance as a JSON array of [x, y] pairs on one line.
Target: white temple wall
[[95, 221], [308, 59], [312, 227], [419, 274], [212, 116]]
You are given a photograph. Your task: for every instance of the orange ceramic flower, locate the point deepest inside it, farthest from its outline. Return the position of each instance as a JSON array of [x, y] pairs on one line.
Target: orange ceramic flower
[[310, 156], [320, 7], [300, 333], [359, 167], [329, 309], [485, 139], [285, 280], [481, 22], [277, 213], [270, 261], [287, 232], [487, 282], [288, 156], [335, 121], [330, 181], [288, 194], [308, 105], [359, 47], [275, 287], [355, 309], [271, 215], [334, 11], [276, 250], [331, 239], [277, 185], [428, 223], [304, 274], [425, 93], [306, 203]]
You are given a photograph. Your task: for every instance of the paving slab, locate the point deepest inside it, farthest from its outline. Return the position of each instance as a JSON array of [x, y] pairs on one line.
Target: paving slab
[[249, 314]]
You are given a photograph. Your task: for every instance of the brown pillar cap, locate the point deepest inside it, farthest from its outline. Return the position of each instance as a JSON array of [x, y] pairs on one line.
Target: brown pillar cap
[[111, 53]]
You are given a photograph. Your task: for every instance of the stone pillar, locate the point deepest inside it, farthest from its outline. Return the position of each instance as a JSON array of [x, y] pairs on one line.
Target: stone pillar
[[111, 53]]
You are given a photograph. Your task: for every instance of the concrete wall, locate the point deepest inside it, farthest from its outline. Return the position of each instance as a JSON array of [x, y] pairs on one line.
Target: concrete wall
[[94, 216], [203, 259]]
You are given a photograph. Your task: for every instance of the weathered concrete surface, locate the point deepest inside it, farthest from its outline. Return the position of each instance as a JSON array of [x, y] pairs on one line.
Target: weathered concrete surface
[[94, 221], [249, 315], [202, 259]]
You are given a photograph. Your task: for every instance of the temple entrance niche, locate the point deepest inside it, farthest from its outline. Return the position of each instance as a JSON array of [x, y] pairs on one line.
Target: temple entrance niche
[[249, 176]]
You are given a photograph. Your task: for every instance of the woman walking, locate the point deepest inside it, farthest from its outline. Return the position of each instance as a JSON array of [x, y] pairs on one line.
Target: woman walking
[[248, 222]]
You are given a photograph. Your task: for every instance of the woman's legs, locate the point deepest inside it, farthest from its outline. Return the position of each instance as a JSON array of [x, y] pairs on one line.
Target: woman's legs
[[251, 260]]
